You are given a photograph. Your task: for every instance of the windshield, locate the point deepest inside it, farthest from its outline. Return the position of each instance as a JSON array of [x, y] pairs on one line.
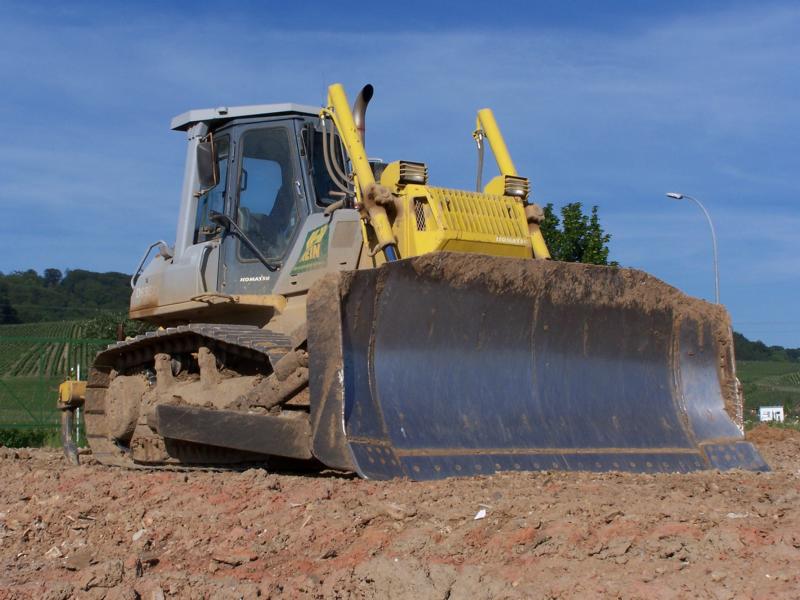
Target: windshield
[[268, 212]]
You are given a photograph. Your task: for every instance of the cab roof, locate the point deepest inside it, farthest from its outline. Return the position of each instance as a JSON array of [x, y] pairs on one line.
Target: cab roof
[[225, 113]]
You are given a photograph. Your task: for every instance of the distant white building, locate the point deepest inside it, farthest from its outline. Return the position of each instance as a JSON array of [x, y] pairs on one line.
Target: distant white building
[[770, 413]]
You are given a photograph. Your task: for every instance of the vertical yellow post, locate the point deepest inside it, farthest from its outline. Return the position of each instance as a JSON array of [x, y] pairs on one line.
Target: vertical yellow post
[[365, 185], [488, 125], [337, 99]]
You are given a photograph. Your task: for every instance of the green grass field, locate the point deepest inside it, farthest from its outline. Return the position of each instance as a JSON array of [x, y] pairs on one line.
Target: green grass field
[[29, 402]]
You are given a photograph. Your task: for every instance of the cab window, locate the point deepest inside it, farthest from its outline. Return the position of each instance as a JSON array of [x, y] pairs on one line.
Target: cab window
[[214, 198], [325, 190], [268, 213]]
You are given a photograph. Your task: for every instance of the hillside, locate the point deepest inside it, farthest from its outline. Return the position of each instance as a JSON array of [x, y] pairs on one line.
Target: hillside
[[757, 350], [28, 297]]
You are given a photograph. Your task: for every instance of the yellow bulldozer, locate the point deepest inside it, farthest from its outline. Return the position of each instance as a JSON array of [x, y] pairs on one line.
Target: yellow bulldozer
[[324, 309]]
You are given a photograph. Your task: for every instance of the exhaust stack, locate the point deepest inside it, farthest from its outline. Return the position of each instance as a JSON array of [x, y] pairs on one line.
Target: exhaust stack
[[360, 109]]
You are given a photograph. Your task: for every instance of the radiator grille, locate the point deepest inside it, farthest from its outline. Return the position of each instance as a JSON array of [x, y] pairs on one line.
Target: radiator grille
[[477, 213]]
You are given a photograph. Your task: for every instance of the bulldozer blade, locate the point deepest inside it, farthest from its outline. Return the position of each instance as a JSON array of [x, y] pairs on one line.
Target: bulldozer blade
[[459, 365]]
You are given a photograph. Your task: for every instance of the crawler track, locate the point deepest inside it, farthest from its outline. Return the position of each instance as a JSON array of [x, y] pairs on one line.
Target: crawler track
[[239, 345]]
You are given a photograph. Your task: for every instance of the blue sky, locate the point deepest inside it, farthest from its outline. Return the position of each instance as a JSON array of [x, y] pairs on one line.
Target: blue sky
[[611, 103]]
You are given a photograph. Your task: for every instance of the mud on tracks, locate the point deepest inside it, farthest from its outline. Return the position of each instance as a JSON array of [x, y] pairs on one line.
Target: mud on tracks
[[98, 532]]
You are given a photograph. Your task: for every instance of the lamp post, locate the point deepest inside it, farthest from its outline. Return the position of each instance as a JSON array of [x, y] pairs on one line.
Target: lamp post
[[677, 196]]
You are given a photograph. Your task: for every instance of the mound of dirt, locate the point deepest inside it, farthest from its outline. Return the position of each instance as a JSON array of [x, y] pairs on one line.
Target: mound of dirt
[[97, 532]]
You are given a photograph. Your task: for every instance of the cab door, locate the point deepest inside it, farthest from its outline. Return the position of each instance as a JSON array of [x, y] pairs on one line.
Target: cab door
[[267, 203], [195, 271], [205, 248]]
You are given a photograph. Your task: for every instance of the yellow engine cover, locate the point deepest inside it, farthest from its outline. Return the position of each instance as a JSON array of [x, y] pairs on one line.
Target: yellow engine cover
[[431, 219]]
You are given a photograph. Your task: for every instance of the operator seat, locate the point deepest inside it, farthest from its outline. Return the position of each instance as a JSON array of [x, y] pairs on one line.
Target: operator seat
[[270, 232]]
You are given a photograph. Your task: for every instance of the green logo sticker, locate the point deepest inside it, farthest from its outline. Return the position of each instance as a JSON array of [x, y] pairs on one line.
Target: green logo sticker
[[315, 251]]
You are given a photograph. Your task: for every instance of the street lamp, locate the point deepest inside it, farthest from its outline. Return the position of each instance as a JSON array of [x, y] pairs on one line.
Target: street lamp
[[677, 196]]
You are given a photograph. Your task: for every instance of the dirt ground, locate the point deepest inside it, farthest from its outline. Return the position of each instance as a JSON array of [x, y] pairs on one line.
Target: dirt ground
[[97, 532]]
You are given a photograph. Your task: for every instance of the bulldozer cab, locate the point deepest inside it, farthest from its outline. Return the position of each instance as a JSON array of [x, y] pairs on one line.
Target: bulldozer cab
[[265, 198], [255, 188], [269, 179]]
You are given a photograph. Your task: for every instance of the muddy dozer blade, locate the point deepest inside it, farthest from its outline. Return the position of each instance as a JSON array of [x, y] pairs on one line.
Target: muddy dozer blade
[[457, 365]]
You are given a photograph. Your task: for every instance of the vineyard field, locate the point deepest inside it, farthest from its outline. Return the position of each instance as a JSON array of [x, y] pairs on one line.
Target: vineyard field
[[770, 383], [34, 359], [45, 349]]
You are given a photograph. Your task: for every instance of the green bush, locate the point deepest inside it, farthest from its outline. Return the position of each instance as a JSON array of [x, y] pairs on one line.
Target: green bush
[[30, 438]]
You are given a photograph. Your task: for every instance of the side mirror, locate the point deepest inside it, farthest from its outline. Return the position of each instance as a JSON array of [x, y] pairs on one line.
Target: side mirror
[[207, 165]]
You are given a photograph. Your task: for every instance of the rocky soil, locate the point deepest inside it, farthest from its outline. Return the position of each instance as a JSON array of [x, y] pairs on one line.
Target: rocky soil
[[97, 532]]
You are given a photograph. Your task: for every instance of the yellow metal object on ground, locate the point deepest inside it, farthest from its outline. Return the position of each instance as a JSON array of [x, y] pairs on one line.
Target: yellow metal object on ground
[[71, 397], [71, 394]]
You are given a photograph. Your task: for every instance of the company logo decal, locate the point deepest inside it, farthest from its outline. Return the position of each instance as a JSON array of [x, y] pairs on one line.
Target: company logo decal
[[254, 279], [315, 251]]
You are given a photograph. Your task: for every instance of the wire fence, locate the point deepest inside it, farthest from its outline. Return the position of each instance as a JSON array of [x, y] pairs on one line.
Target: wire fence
[[31, 369]]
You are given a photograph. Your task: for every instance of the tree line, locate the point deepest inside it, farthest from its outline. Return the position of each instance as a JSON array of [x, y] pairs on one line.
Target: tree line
[[28, 297], [757, 350]]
